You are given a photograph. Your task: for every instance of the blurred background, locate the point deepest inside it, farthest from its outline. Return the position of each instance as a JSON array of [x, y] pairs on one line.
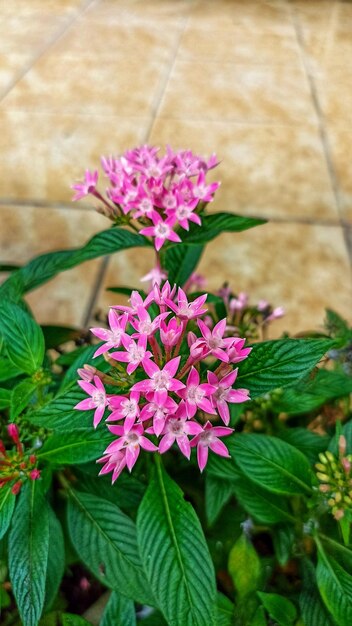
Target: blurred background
[[265, 84]]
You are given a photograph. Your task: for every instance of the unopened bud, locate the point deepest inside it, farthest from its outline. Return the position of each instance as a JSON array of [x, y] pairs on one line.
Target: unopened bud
[[320, 467], [331, 502], [16, 488], [342, 445], [329, 456], [13, 432], [323, 458], [324, 488], [34, 474], [346, 464], [338, 514], [324, 477], [338, 496]]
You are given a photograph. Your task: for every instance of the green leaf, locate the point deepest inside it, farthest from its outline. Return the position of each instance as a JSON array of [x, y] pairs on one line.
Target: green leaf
[[73, 448], [60, 415], [310, 394], [312, 608], [23, 337], [56, 559], [274, 364], [5, 398], [335, 586], [119, 610], [8, 370], [105, 539], [180, 261], [28, 551], [217, 493], [265, 507], [279, 608], [306, 441], [44, 267], [283, 540], [217, 223], [226, 609], [7, 505], [175, 554], [338, 326], [244, 567], [20, 397], [273, 464], [126, 492]]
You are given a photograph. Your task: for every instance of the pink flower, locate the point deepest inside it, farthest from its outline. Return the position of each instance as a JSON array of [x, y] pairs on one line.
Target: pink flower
[[195, 394], [213, 341], [278, 312], [187, 310], [112, 337], [156, 276], [237, 304], [224, 393], [159, 407], [114, 462], [170, 333], [204, 192], [13, 432], [160, 379], [177, 429], [209, 438], [126, 408], [236, 352], [136, 353], [97, 401], [145, 325], [136, 301], [131, 442], [87, 186], [162, 230]]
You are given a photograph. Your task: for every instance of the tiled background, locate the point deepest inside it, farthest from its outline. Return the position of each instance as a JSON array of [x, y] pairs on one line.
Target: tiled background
[[265, 84]]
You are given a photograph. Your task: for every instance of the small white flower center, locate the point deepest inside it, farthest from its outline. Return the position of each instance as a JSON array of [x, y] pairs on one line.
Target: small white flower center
[[129, 408], [221, 394], [162, 230], [194, 394], [132, 439], [145, 327], [161, 381], [183, 212], [136, 353], [99, 398], [176, 427]]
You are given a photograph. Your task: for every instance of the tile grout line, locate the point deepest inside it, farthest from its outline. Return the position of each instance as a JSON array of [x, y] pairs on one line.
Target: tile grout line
[[94, 294], [42, 51], [346, 229]]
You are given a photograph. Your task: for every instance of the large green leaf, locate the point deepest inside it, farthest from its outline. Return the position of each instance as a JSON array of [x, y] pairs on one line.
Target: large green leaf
[[28, 552], [265, 507], [5, 398], [7, 505], [280, 609], [244, 567], [46, 266], [73, 448], [21, 396], [180, 261], [313, 611], [23, 337], [306, 441], [56, 560], [312, 393], [214, 225], [175, 555], [60, 415], [281, 362], [57, 618], [105, 539], [7, 369], [272, 463], [119, 610], [217, 493], [335, 586]]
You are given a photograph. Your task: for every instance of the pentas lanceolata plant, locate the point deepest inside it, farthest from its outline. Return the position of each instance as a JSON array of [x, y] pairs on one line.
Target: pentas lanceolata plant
[[172, 399], [153, 194]]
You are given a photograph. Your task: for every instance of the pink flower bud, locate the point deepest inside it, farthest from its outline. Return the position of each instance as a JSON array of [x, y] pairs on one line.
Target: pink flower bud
[[339, 514], [13, 432], [87, 372], [16, 488], [34, 474], [342, 445]]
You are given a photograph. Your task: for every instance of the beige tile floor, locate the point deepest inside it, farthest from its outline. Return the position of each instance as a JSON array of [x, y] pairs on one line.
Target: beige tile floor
[[266, 84]]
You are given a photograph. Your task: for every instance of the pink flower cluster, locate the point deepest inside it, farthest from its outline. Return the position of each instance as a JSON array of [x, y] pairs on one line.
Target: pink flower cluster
[[179, 379], [161, 193]]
